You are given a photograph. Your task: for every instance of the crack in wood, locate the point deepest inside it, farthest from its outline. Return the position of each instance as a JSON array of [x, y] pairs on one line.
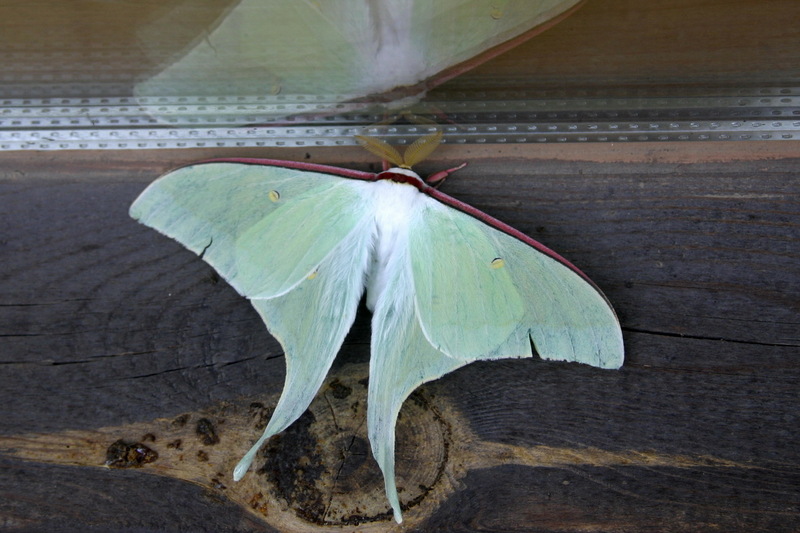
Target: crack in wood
[[708, 338]]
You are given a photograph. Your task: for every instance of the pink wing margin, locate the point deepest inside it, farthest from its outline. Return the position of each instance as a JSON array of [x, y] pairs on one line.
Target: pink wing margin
[[297, 165]]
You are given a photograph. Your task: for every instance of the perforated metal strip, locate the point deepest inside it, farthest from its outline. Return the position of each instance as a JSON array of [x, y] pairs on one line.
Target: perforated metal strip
[[467, 117]]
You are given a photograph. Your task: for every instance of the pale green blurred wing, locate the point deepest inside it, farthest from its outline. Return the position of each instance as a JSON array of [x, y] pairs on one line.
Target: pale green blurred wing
[[481, 293], [349, 48], [455, 31], [295, 242]]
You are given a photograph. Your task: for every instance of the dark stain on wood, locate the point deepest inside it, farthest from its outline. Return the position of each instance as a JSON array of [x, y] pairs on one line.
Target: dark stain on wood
[[122, 454], [216, 482], [339, 390], [181, 421], [206, 432], [293, 466], [261, 415]]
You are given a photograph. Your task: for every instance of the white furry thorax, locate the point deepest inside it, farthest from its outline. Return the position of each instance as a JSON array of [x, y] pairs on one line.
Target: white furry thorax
[[395, 205]]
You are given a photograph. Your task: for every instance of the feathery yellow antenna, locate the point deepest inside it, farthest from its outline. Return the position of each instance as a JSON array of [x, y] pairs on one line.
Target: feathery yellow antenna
[[416, 152], [382, 149], [422, 148]]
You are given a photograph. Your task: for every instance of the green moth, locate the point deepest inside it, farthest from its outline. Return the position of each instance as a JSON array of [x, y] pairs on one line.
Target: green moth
[[446, 283]]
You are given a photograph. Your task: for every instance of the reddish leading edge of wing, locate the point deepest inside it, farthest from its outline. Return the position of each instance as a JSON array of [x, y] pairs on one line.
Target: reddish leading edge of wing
[[430, 191], [505, 228], [310, 167]]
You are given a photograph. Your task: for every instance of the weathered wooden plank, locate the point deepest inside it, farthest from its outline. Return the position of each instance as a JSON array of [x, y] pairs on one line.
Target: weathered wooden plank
[[72, 499], [108, 327]]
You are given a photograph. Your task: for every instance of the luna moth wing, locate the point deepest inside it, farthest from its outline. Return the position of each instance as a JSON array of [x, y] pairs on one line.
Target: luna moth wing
[[311, 322], [238, 216], [401, 360], [526, 291], [462, 287], [347, 48], [217, 210]]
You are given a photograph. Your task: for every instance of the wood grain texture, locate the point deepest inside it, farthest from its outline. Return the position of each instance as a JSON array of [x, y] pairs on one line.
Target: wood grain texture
[[111, 331]]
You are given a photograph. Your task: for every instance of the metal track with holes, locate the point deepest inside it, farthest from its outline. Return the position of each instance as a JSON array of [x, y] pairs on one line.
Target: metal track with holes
[[494, 116]]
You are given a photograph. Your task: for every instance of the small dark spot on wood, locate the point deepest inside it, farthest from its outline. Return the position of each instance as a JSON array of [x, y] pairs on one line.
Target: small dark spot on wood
[[540, 229], [254, 501], [123, 454], [308, 156], [363, 382], [202, 456], [214, 277], [339, 390], [258, 503], [205, 430], [148, 437], [628, 284], [419, 400], [181, 421], [217, 484], [260, 414], [356, 519], [176, 444]]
